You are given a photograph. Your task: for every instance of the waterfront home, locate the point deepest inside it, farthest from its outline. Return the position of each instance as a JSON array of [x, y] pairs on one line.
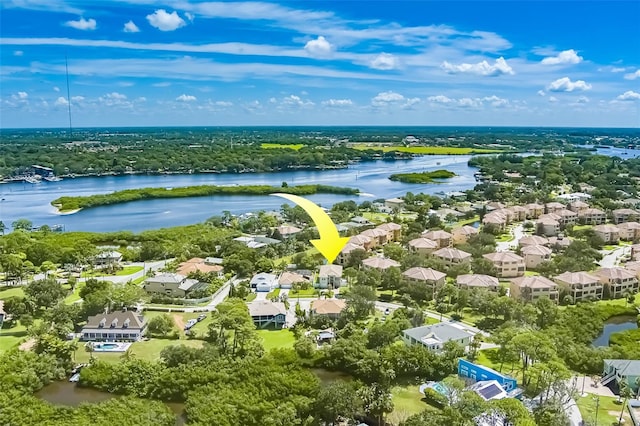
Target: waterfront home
[[197, 264], [553, 207], [433, 337], [378, 236], [629, 231], [533, 240], [481, 281], [394, 203], [256, 241], [622, 370], [265, 313], [443, 238], [617, 282], [107, 258], [331, 308], [264, 282], [578, 206], [507, 263], [330, 276], [624, 215], [609, 233], [452, 256], [422, 246], [592, 217], [535, 255], [581, 286], [393, 230], [380, 263], [288, 231], [427, 276], [172, 285], [462, 234], [343, 256], [534, 210], [123, 325], [530, 289], [547, 226], [287, 279]]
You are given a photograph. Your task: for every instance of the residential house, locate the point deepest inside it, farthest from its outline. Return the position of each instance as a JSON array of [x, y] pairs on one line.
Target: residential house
[[452, 256], [198, 264], [548, 226], [288, 231], [257, 241], [107, 258], [378, 236], [629, 231], [553, 207], [581, 286], [496, 205], [507, 213], [534, 210], [361, 220], [635, 252], [530, 289], [173, 285], [481, 281], [428, 276], [592, 217], [125, 326], [330, 276], [634, 267], [567, 217], [380, 263], [578, 206], [609, 233], [496, 221], [507, 263], [622, 370], [488, 390], [617, 282], [443, 238], [363, 241], [433, 337], [535, 255], [393, 230], [624, 215], [287, 279], [462, 234], [331, 308], [423, 246], [559, 243], [633, 203], [394, 203], [265, 313], [264, 282], [533, 240], [574, 196], [343, 256], [519, 213]]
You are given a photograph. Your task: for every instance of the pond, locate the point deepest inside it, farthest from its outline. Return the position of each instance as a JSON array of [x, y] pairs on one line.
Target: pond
[[615, 325], [66, 393]]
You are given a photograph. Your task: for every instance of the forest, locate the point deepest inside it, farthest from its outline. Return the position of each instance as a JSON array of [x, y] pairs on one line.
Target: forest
[[424, 177]]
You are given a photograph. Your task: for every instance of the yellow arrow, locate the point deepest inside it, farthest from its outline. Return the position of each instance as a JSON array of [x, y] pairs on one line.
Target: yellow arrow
[[330, 243]]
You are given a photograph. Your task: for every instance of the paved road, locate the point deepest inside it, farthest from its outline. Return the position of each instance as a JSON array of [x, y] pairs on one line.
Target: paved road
[[517, 232], [610, 258]]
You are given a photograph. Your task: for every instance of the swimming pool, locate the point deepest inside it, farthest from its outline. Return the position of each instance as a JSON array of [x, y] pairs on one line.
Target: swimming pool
[[110, 346]]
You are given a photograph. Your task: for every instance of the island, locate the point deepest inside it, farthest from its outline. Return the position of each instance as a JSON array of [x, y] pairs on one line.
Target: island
[[423, 177], [74, 204]]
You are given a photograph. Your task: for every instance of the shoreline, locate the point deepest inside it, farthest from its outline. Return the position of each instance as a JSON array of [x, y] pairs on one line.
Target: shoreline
[[65, 212]]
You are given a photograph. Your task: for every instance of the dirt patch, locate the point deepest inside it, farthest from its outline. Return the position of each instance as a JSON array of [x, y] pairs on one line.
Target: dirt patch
[[179, 321], [28, 345]]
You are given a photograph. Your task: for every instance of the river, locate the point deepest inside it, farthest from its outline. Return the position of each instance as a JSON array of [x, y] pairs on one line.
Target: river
[[32, 201]]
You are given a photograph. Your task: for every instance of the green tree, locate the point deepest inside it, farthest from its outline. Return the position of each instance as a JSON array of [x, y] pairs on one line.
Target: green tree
[[232, 329], [44, 293], [338, 400], [376, 401], [22, 224], [162, 326]]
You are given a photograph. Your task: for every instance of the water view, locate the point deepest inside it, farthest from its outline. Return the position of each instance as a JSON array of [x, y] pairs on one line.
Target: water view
[[615, 325]]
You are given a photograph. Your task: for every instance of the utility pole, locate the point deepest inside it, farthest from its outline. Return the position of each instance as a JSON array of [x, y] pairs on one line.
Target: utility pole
[[597, 399]]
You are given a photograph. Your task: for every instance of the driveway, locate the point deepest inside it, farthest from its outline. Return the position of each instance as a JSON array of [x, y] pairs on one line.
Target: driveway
[[517, 232], [610, 258]]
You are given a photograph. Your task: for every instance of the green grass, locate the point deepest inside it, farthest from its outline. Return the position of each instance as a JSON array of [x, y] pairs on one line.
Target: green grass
[[426, 150], [139, 280], [407, 400], [129, 270], [503, 238], [250, 297], [273, 293], [608, 410], [75, 296], [581, 227], [273, 339], [295, 147], [310, 292], [487, 358], [463, 222], [11, 337], [147, 350], [375, 217], [7, 292], [531, 273]]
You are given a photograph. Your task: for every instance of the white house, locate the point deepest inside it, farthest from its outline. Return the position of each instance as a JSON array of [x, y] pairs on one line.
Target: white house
[[264, 282], [433, 337], [330, 276]]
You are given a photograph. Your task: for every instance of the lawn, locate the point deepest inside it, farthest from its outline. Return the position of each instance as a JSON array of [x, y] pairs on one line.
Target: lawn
[[608, 410], [148, 350], [295, 147], [10, 337], [427, 150], [273, 339], [139, 280], [463, 222], [7, 292], [503, 238], [75, 296], [407, 400], [487, 357], [129, 270], [310, 292], [273, 293]]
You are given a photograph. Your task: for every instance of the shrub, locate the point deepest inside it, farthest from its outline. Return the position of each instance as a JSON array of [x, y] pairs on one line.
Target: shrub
[[435, 398]]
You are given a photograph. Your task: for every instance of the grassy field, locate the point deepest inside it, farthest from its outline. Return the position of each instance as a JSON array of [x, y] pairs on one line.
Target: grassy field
[[10, 337], [127, 270], [487, 358], [310, 292], [7, 292], [273, 339], [608, 410], [426, 150], [147, 350], [296, 147]]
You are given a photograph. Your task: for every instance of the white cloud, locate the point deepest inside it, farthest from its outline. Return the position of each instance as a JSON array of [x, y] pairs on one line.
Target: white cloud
[[565, 57], [190, 16], [633, 75], [224, 103], [18, 53], [582, 100], [114, 99], [481, 68], [61, 101], [77, 98], [553, 99], [440, 99], [386, 98], [82, 24], [565, 84], [21, 95], [384, 61], [629, 95], [495, 101], [186, 98], [618, 69], [164, 21], [56, 89], [541, 93], [319, 47], [337, 102], [131, 27], [294, 100], [467, 102]]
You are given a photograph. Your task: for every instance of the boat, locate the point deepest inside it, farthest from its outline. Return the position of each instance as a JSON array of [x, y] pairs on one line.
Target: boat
[[32, 179], [75, 378], [52, 178]]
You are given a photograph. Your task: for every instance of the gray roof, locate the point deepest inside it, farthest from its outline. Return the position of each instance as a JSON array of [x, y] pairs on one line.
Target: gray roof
[[167, 278], [188, 284], [626, 367], [136, 322], [266, 308], [442, 331], [264, 278]]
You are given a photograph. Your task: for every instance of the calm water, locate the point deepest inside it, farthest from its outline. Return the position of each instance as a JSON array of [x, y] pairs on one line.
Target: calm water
[[24, 200], [614, 325], [66, 393]]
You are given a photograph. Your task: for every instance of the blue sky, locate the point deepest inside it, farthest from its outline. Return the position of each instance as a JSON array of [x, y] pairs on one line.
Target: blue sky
[[186, 62]]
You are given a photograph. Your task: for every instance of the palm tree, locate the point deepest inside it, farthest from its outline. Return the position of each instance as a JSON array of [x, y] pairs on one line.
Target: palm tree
[[626, 393], [3, 227]]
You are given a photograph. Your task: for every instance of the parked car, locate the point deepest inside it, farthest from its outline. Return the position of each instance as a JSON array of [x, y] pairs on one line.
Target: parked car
[[201, 317], [387, 311], [190, 324]]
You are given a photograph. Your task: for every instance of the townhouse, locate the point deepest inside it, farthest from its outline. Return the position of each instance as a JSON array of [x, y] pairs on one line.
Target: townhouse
[[530, 289], [507, 263], [580, 286]]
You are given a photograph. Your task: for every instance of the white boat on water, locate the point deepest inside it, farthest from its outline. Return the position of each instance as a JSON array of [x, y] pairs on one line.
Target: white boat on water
[[52, 178], [32, 179]]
